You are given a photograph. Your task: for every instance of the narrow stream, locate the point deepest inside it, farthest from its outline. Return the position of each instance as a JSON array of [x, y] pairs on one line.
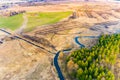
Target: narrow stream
[[57, 54], [110, 27]]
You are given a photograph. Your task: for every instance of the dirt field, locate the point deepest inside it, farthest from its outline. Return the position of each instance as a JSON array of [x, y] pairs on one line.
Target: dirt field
[[63, 7], [26, 62]]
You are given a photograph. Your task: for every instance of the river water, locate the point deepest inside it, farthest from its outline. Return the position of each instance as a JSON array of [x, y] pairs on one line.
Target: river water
[[109, 27]]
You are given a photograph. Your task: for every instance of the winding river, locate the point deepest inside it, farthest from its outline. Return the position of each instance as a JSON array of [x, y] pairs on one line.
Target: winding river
[[76, 39], [102, 27], [57, 54]]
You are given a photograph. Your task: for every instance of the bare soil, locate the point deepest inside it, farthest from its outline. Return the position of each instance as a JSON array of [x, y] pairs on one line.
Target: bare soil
[[22, 61]]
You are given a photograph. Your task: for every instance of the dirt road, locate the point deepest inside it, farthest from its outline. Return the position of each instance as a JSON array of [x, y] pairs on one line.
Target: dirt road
[[24, 25]]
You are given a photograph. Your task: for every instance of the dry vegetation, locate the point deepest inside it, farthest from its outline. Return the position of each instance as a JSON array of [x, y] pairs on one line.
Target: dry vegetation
[[28, 62]]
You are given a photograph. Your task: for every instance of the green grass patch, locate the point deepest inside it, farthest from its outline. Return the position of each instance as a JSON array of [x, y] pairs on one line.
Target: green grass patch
[[44, 18], [13, 22]]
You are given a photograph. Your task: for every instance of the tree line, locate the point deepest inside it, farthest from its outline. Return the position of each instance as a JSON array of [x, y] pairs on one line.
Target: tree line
[[95, 63]]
